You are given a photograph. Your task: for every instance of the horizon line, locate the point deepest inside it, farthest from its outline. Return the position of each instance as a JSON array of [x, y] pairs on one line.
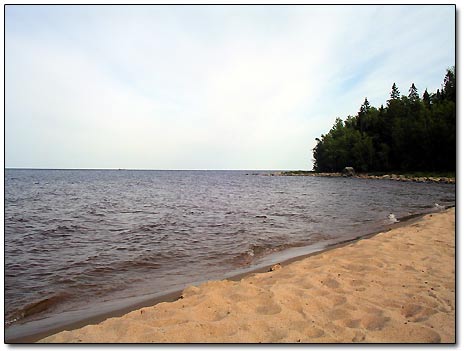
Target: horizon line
[[150, 169]]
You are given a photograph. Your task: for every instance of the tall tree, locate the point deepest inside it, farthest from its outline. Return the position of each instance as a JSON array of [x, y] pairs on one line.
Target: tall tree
[[364, 107], [413, 95], [426, 99], [395, 93], [449, 86], [362, 115]]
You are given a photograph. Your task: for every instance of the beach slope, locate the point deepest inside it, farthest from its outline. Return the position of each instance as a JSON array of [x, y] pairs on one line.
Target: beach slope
[[397, 286]]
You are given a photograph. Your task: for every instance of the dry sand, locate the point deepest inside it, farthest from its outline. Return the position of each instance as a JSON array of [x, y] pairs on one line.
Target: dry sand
[[397, 286]]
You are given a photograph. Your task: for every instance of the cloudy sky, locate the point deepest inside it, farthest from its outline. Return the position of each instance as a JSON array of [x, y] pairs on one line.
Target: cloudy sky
[[205, 87]]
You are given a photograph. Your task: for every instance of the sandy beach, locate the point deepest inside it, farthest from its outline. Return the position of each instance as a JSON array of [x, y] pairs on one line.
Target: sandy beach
[[397, 286]]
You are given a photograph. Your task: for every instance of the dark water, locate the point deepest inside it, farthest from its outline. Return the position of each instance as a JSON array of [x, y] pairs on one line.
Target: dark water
[[80, 239]]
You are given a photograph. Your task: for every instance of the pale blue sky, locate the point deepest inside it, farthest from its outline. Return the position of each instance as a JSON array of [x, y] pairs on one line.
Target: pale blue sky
[[205, 87]]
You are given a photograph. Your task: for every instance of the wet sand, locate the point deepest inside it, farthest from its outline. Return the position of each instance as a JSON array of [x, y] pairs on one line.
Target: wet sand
[[397, 286]]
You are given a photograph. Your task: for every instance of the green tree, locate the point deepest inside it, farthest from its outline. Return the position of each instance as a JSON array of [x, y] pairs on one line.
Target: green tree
[[395, 93], [413, 95], [449, 86], [409, 134], [362, 115], [426, 99]]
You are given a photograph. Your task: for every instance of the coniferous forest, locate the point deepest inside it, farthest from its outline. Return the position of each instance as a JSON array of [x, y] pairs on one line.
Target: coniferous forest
[[411, 133]]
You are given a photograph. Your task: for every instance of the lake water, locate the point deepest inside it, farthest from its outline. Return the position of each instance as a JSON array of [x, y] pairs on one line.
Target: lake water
[[82, 241]]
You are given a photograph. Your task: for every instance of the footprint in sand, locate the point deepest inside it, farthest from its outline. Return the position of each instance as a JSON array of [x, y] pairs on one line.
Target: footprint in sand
[[350, 323], [338, 313], [331, 283], [373, 321], [336, 300], [416, 313], [410, 310], [357, 282], [237, 297], [359, 337], [372, 310], [268, 309], [277, 335], [408, 332], [305, 284], [313, 332]]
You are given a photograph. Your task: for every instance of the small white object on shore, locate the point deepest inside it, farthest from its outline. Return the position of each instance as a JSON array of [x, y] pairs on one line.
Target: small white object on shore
[[392, 218]]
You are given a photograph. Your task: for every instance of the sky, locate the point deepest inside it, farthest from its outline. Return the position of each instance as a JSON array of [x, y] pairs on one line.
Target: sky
[[205, 87]]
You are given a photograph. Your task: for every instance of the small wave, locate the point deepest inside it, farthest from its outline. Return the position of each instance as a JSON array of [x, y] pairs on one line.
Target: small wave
[[424, 206], [38, 307], [216, 225], [63, 230], [145, 261], [285, 214], [447, 199], [261, 250], [242, 259], [256, 251], [122, 230]]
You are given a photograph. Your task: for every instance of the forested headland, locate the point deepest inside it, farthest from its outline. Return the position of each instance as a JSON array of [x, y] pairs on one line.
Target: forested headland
[[411, 133]]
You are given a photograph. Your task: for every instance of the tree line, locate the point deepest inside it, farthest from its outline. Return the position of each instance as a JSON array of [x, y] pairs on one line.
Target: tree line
[[409, 134]]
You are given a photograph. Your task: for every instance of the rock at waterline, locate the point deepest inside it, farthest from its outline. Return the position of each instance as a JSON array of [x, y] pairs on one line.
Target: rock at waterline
[[348, 172]]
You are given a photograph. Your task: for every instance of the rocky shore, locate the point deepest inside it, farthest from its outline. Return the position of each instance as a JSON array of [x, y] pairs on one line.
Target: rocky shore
[[396, 177]]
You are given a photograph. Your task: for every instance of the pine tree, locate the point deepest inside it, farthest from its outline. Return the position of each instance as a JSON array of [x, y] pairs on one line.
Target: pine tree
[[361, 118], [439, 95], [413, 95], [395, 93], [449, 89], [426, 99], [364, 107]]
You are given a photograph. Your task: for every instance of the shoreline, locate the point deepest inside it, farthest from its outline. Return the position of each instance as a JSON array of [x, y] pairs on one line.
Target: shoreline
[[395, 177], [174, 297]]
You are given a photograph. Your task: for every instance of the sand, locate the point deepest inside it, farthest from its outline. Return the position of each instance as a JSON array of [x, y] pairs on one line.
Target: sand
[[397, 286]]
